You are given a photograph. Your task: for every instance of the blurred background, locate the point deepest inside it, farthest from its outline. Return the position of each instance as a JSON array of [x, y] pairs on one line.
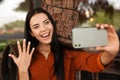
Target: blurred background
[[12, 16], [13, 13]]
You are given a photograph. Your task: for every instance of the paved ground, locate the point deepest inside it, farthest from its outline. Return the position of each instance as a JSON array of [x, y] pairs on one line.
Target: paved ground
[[11, 36]]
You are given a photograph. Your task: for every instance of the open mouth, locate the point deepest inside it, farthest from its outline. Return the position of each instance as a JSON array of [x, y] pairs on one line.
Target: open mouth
[[45, 35]]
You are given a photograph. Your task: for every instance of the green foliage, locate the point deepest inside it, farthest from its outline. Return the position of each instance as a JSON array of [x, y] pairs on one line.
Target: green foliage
[[4, 43], [2, 46], [102, 18], [13, 25], [116, 20], [22, 7]]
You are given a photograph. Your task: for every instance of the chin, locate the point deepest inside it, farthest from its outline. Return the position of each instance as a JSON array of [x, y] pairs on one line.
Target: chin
[[47, 42]]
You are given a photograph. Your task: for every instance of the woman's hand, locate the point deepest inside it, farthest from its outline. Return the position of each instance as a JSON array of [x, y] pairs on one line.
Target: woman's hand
[[112, 48], [25, 55]]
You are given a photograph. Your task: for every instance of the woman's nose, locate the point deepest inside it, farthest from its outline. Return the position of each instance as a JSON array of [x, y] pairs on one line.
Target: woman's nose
[[42, 28]]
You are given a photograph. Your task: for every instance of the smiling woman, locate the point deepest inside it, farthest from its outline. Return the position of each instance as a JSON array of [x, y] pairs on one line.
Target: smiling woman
[[81, 13], [47, 58], [42, 56]]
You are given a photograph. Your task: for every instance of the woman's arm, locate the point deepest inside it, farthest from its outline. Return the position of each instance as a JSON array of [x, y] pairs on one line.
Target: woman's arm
[[23, 75], [112, 48], [23, 60]]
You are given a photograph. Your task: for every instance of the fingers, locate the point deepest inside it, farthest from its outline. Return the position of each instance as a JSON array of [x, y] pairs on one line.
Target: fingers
[[24, 45], [104, 26], [19, 47], [100, 48], [13, 57], [109, 28], [24, 48], [25, 55], [32, 51], [28, 47]]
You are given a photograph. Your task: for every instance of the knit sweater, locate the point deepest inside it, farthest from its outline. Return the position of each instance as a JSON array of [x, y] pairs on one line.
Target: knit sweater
[[43, 69]]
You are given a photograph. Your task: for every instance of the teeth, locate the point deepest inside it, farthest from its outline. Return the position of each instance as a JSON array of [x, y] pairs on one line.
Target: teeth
[[45, 35]]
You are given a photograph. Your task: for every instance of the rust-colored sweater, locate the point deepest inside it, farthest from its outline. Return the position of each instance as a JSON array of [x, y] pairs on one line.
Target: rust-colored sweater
[[42, 69]]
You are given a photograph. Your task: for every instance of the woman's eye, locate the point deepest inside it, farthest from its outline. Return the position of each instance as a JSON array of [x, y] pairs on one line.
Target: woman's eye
[[35, 27], [47, 22]]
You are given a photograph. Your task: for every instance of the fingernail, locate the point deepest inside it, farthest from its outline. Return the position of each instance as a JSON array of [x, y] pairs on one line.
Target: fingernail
[[17, 42], [29, 42], [9, 54], [33, 48], [102, 26], [24, 39]]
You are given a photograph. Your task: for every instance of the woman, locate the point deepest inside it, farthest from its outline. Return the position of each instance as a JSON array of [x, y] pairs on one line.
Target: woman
[[42, 57]]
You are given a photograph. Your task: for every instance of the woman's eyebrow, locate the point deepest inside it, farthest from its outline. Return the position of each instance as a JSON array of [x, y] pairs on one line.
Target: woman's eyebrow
[[35, 25], [38, 24], [45, 20]]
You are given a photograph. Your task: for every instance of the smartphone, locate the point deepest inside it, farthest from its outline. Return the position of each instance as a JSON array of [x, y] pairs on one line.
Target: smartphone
[[89, 37]]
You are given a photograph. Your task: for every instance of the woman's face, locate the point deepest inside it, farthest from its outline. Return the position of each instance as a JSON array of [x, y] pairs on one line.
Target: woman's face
[[41, 28]]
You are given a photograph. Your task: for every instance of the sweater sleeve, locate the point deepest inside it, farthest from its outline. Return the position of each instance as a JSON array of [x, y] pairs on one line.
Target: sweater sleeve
[[87, 61]]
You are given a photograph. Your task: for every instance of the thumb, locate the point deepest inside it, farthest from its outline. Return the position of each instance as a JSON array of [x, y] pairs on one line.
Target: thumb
[[12, 56], [100, 48]]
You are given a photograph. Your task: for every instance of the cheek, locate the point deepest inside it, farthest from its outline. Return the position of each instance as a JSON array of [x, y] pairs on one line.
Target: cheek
[[51, 28], [34, 33]]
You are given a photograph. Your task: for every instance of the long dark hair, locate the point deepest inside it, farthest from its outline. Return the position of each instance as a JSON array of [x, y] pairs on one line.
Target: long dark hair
[[55, 44]]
